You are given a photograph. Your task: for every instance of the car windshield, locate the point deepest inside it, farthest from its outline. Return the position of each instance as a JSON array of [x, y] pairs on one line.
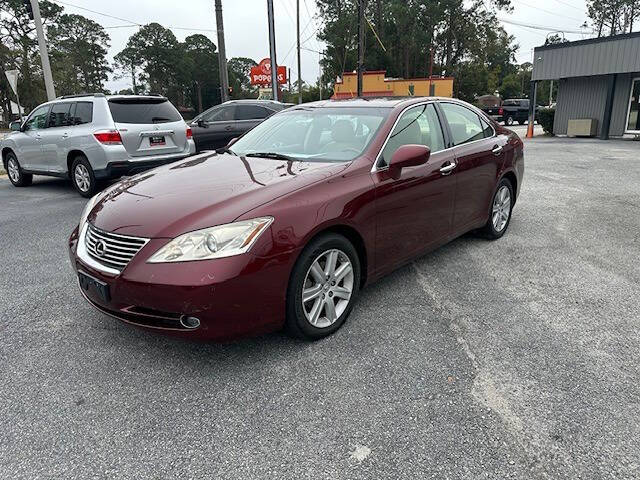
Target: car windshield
[[337, 134]]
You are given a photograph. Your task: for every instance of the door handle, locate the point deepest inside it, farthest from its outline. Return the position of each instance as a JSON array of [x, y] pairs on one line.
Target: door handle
[[497, 150], [38, 137], [228, 127], [65, 135], [448, 168]]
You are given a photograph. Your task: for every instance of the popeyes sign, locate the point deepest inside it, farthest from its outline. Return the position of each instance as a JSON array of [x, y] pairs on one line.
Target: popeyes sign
[[261, 75]]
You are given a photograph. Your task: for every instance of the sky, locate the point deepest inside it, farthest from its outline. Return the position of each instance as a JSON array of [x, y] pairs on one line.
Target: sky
[[246, 29]]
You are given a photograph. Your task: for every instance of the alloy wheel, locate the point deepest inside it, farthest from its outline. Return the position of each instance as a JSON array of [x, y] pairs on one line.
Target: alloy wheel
[[501, 208], [13, 170], [83, 180], [327, 289]]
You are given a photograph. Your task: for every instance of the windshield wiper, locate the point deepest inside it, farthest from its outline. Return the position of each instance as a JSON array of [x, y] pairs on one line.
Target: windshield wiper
[[274, 155]]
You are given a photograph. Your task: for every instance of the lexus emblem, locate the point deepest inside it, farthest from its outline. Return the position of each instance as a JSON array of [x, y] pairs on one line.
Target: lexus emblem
[[100, 248]]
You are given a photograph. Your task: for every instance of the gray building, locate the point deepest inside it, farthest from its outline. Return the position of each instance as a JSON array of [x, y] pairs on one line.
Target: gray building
[[599, 79]]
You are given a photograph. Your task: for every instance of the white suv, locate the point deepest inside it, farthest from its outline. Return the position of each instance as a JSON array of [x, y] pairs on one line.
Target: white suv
[[88, 138]]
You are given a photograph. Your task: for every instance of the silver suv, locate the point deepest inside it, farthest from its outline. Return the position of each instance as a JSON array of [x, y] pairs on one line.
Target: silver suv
[[88, 138]]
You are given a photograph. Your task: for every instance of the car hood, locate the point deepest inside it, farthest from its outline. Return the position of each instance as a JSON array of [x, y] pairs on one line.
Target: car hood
[[200, 192]]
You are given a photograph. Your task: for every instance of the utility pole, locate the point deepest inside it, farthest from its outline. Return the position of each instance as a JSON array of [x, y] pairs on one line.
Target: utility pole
[[360, 44], [44, 55], [320, 71], [299, 63], [272, 50], [222, 54], [431, 89]]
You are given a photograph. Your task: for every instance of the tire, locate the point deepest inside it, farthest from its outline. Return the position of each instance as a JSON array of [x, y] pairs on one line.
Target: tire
[[300, 315], [509, 121], [495, 229], [15, 172], [522, 122], [82, 177]]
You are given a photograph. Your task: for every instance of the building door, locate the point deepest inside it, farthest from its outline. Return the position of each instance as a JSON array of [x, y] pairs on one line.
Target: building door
[[633, 119]]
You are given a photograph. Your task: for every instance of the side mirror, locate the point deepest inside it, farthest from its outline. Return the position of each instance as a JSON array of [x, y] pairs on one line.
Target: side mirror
[[408, 156], [201, 123], [232, 141], [15, 126]]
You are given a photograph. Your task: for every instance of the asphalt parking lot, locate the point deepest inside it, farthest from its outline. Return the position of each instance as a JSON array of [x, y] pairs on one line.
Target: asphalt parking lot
[[510, 359]]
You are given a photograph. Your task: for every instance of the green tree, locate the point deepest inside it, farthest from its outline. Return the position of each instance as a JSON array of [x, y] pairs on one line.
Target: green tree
[[79, 55], [203, 78], [17, 34], [162, 60], [239, 70]]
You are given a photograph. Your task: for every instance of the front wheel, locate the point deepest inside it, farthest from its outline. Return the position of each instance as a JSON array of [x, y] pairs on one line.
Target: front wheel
[[82, 177], [323, 287], [500, 213], [16, 175], [509, 121]]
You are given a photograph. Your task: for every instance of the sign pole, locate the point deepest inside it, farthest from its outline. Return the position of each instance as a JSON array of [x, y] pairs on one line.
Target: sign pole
[[272, 50], [44, 55], [222, 55]]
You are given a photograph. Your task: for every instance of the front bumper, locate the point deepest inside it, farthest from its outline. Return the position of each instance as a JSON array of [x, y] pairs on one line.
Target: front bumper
[[232, 297]]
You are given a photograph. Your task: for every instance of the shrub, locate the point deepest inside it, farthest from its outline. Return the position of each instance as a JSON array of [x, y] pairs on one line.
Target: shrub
[[545, 118]]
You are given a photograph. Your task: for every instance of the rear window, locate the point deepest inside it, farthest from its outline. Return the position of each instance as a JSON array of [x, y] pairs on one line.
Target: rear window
[[143, 111]]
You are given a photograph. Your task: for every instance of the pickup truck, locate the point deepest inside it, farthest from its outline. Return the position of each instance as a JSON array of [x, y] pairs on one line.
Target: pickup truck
[[512, 110]]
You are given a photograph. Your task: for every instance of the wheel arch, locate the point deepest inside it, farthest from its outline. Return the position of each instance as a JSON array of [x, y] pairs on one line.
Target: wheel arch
[[511, 176], [71, 156], [356, 239], [6, 151]]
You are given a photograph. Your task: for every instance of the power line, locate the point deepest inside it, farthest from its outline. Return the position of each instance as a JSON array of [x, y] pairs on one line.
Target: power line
[[569, 5], [131, 22], [548, 11], [543, 27]]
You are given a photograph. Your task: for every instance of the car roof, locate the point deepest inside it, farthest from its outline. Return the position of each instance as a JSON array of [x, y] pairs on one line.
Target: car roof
[[377, 102]]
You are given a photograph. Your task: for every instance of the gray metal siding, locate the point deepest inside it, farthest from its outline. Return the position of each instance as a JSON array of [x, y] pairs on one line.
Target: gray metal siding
[[582, 97], [621, 103], [618, 55]]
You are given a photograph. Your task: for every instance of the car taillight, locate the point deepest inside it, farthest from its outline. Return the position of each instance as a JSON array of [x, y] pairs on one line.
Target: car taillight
[[189, 133], [108, 137], [500, 111]]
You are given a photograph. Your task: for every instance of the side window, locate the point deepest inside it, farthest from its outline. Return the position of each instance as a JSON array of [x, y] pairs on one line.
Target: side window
[[463, 123], [82, 113], [59, 116], [486, 128], [38, 119], [251, 112], [418, 125], [224, 114]]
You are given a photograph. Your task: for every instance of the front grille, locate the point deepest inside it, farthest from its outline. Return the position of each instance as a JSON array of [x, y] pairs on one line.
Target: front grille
[[111, 249]]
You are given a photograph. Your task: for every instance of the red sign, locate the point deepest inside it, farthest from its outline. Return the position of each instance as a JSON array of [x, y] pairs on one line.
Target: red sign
[[261, 75]]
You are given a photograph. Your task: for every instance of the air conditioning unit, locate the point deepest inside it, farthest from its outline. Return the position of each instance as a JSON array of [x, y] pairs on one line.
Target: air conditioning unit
[[582, 127]]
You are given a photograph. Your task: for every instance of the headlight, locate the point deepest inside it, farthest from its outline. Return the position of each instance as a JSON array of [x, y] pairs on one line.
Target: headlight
[[215, 242], [87, 209]]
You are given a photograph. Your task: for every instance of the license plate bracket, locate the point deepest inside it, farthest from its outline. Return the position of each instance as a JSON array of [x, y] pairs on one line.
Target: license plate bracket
[[157, 140], [95, 286]]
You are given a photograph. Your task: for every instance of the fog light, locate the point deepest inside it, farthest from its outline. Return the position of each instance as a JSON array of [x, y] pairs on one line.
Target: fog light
[[189, 322]]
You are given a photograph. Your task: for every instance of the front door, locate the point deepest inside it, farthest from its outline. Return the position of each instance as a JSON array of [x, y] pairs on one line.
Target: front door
[[414, 211], [218, 127], [479, 155], [54, 138], [633, 118], [29, 140]]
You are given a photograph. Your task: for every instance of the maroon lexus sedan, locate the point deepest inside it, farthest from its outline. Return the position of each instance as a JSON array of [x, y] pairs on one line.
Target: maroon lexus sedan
[[300, 213]]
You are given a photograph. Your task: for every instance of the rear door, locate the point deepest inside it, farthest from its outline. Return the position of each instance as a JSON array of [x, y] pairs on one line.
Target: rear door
[[479, 155], [248, 116], [148, 125], [29, 141]]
